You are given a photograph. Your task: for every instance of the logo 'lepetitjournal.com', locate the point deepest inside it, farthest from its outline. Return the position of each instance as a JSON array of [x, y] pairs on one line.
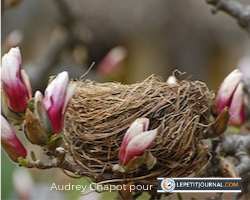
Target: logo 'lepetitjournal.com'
[[198, 184]]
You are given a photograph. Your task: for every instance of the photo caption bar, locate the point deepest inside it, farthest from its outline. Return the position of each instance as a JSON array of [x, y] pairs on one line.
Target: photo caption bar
[[198, 185]]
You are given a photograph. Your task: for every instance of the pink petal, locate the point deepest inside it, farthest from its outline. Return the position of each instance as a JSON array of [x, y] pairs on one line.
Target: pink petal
[[17, 98], [227, 89], [138, 126], [56, 90], [10, 142], [54, 100], [237, 108], [26, 81], [11, 66], [69, 94], [12, 82], [139, 144]]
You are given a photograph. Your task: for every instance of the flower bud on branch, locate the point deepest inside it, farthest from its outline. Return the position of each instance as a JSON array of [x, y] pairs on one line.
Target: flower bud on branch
[[227, 89], [15, 82], [136, 140], [56, 99], [237, 108], [10, 142], [231, 94]]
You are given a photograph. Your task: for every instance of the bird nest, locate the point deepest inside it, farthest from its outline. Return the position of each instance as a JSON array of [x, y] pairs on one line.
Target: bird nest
[[100, 114]]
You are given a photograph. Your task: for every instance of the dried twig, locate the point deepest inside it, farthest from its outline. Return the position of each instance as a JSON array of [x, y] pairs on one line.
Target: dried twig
[[238, 146], [234, 8]]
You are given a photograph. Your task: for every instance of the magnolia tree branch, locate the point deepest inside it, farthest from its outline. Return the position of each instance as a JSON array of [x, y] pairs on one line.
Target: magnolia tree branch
[[239, 147], [235, 9], [65, 165]]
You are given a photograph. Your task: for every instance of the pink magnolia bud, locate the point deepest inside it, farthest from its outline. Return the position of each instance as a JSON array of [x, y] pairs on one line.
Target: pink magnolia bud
[[15, 82], [111, 61], [56, 99], [227, 89], [138, 145], [237, 107], [138, 126], [136, 140], [10, 142]]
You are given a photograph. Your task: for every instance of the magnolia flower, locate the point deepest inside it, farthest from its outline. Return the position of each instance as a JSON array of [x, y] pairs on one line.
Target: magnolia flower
[[140, 125], [231, 94], [237, 107], [56, 99], [227, 89], [136, 140], [15, 82], [10, 142]]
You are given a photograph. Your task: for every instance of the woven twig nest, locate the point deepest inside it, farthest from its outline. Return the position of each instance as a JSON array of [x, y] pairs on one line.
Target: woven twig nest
[[100, 114]]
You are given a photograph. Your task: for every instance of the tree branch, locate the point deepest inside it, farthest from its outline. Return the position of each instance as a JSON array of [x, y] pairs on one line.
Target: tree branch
[[239, 147], [235, 9]]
